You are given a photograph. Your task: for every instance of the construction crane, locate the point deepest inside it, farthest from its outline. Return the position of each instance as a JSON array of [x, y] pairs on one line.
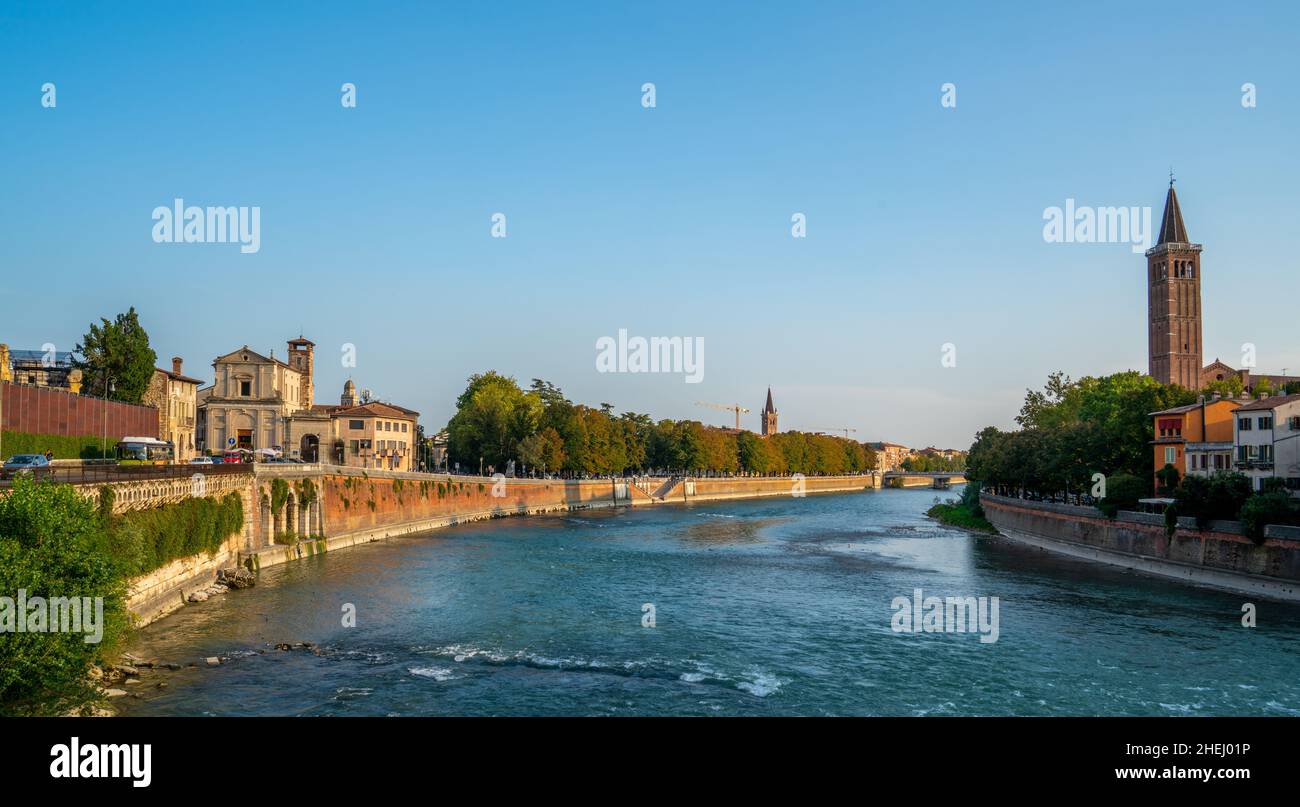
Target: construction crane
[[844, 429], [737, 408]]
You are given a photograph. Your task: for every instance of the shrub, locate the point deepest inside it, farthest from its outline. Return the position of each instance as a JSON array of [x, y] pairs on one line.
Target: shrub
[[1168, 478], [1122, 493], [1262, 509], [52, 544], [970, 499], [279, 494], [1220, 496]]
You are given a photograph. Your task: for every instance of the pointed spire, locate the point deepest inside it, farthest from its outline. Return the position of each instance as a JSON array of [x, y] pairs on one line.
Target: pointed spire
[[769, 407], [1172, 229]]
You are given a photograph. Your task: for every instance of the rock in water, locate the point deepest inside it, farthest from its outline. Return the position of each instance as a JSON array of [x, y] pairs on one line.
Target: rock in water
[[236, 577]]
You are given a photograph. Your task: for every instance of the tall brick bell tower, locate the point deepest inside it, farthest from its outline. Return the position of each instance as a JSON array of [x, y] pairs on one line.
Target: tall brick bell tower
[[1174, 301]]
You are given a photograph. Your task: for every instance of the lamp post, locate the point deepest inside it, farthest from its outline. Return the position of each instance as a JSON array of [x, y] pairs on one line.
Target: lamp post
[[108, 387]]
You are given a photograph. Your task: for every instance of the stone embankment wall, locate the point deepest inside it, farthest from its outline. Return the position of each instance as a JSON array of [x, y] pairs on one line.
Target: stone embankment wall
[[1220, 556], [343, 507]]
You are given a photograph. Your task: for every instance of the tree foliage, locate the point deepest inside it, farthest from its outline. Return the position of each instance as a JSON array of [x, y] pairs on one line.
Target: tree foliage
[[53, 544], [497, 420], [1074, 429], [117, 353]]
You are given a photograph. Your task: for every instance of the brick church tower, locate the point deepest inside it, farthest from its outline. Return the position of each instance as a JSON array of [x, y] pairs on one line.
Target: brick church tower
[[1174, 301], [769, 416]]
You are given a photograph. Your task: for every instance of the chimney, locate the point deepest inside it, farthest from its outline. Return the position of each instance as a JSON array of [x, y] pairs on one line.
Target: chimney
[[176, 365]]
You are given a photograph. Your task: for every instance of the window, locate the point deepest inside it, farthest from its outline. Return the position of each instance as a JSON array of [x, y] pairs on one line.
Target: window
[[1171, 455], [404, 428], [1265, 423], [365, 445], [1266, 453], [356, 425], [1243, 424], [388, 426], [245, 388], [356, 446]]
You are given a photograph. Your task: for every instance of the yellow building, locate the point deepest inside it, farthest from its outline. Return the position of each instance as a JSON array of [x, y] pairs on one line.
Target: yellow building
[[175, 396]]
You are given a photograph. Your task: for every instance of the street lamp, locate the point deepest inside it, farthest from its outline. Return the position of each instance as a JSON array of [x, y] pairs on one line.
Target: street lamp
[[108, 387]]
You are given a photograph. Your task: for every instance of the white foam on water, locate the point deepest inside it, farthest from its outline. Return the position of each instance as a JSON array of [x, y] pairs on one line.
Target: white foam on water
[[436, 673], [760, 684]]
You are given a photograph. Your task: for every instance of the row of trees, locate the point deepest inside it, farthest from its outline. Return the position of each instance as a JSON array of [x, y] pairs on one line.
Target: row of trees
[[933, 463], [496, 421], [1072, 430], [1075, 429]]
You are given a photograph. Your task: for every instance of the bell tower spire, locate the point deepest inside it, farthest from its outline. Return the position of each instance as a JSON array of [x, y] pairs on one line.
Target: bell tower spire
[[1174, 300]]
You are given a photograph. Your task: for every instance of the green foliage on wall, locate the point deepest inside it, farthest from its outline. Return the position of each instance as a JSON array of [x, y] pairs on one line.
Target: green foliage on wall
[[148, 539], [65, 447], [279, 495]]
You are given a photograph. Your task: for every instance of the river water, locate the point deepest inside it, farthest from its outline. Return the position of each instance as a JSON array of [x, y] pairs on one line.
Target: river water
[[761, 607]]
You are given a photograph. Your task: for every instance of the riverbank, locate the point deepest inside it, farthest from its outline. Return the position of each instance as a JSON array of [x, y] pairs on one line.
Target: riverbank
[[1220, 556], [344, 507], [962, 516], [770, 606]]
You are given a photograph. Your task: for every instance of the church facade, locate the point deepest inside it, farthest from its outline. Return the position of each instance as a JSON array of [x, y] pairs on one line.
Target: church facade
[[259, 402]]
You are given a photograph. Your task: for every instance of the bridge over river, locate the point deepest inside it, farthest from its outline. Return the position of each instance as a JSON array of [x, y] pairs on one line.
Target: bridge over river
[[940, 480]]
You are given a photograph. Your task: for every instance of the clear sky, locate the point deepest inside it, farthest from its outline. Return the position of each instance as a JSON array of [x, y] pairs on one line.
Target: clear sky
[[924, 223]]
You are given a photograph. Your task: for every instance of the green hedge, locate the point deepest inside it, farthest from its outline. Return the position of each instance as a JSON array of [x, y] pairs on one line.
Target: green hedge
[[65, 447], [149, 539]]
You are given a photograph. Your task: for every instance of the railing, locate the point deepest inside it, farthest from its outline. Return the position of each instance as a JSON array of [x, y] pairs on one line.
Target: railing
[[102, 474]]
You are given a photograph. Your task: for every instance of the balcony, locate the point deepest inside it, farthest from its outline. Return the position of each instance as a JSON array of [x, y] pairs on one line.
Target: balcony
[[1253, 465]]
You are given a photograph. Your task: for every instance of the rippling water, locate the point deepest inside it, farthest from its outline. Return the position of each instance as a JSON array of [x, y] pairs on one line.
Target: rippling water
[[762, 607]]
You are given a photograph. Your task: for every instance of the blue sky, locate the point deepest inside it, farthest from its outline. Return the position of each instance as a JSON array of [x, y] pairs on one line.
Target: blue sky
[[924, 223]]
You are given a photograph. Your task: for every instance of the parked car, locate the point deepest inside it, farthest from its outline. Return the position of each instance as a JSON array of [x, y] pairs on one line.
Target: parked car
[[33, 465], [203, 461]]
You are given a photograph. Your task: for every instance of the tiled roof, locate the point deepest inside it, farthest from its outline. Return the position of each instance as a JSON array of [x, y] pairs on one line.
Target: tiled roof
[[376, 409], [1271, 402]]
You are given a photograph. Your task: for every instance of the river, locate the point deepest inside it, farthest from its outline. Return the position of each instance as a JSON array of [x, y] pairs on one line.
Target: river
[[761, 607]]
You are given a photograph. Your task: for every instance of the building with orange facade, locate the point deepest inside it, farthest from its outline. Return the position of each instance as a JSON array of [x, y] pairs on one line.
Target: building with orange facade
[[1197, 439]]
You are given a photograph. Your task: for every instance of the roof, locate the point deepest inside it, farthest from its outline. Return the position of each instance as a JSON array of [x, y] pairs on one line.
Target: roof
[[1172, 229], [177, 376], [376, 409], [1178, 410], [253, 356], [1271, 402], [769, 407]]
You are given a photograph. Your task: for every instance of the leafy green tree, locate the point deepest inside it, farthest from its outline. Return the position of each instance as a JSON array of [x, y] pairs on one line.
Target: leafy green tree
[[1230, 387], [1122, 493], [492, 416], [1264, 508], [543, 450], [117, 354]]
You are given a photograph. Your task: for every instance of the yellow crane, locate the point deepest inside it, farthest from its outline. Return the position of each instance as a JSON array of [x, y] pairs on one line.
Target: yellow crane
[[844, 429], [737, 408]]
